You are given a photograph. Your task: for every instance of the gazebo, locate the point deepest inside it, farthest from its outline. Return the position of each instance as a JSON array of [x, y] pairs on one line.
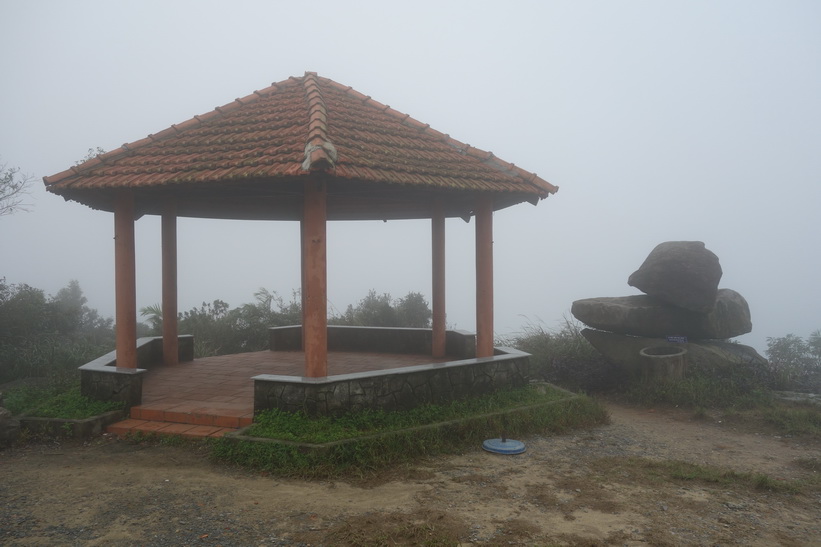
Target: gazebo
[[306, 149]]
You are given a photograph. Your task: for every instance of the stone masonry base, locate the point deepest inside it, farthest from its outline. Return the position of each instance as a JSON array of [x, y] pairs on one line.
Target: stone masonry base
[[393, 389]]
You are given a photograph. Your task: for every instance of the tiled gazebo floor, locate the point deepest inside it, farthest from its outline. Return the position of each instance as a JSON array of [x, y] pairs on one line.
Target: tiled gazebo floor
[[211, 396]]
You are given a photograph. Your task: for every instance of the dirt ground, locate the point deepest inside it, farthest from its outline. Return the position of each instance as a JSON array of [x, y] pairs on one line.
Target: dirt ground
[[584, 488]]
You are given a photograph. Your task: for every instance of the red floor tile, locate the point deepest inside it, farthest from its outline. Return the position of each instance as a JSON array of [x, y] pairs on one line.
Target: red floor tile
[[185, 406], [176, 429], [124, 427], [177, 417], [201, 418], [202, 431], [226, 421], [149, 427], [147, 413]]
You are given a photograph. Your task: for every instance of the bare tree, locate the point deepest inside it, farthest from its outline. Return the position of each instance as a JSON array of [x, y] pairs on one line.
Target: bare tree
[[13, 189]]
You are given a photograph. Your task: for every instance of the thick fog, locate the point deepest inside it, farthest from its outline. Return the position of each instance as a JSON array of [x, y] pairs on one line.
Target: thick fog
[[689, 120]]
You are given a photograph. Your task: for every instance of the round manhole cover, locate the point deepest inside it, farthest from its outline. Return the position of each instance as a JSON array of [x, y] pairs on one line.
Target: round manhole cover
[[504, 446]]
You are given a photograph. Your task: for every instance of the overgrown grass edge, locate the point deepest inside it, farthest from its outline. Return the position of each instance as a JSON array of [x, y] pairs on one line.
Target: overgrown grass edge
[[369, 453]]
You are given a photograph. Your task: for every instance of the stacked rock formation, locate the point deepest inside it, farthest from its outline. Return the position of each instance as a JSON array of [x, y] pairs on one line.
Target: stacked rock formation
[[681, 304]]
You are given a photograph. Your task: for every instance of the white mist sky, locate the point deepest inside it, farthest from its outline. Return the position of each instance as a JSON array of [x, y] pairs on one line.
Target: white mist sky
[[675, 120]]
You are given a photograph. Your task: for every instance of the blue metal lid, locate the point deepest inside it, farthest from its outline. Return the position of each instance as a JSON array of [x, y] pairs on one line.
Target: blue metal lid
[[504, 446]]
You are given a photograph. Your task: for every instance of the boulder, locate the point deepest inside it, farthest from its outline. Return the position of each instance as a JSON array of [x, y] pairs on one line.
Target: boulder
[[644, 315], [681, 273], [730, 317], [719, 358]]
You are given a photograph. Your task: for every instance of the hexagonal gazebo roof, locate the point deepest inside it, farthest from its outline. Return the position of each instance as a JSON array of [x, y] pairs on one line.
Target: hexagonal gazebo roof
[[249, 158]]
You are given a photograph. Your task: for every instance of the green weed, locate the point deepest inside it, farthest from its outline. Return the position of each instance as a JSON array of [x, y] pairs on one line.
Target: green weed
[[56, 401], [564, 357], [809, 464], [700, 413], [680, 471], [390, 438], [427, 528], [699, 390], [794, 419], [298, 427]]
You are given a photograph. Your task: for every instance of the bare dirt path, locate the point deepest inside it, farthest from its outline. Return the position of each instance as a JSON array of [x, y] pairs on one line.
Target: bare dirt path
[[585, 488]]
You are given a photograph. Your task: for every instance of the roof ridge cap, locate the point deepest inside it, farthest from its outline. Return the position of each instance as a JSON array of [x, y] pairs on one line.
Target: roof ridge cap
[[320, 153]]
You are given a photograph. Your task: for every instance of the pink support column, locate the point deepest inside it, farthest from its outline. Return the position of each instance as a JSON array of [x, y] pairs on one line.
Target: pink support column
[[438, 279], [125, 284], [170, 341], [314, 282], [484, 277]]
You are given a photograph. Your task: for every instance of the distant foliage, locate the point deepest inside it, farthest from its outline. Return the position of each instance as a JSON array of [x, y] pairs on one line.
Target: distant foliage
[[381, 310], [48, 336], [796, 363], [566, 358], [220, 330], [413, 311]]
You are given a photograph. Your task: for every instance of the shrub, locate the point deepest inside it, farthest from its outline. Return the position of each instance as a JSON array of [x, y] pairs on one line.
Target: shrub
[[56, 400], [381, 310], [219, 330], [48, 337], [795, 363], [566, 358], [47, 356]]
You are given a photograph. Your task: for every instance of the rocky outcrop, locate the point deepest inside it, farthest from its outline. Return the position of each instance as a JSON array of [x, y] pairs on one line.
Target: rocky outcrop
[[682, 308], [709, 355], [682, 273], [643, 315]]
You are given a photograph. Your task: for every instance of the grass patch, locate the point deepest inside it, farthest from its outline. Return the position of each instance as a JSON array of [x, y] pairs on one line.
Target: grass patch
[[423, 527], [779, 418], [276, 424], [56, 401], [175, 441], [809, 464], [365, 441], [700, 391], [804, 420], [679, 471]]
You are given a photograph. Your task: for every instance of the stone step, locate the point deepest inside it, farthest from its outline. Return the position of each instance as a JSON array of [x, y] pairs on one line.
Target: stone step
[[223, 415], [184, 418]]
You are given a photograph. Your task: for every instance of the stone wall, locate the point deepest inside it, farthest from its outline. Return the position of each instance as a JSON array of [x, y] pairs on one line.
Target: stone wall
[[102, 380], [77, 429], [393, 389], [459, 344]]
